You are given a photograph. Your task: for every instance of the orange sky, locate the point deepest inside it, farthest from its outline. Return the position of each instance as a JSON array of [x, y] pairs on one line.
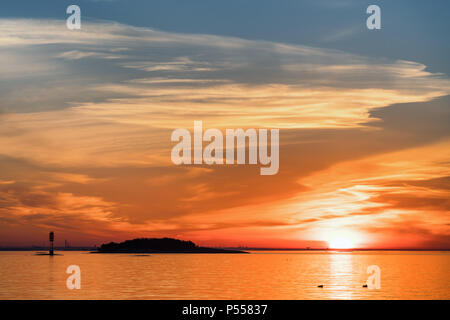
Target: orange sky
[[85, 141]]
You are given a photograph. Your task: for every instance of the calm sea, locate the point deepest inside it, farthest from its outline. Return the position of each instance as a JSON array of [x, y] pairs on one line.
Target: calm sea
[[259, 275]]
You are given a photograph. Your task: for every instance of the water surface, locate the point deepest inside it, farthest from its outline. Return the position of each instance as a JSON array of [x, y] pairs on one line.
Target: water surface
[[259, 275]]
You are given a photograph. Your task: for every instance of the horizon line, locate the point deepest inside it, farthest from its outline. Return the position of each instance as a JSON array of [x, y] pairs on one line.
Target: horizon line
[[74, 248]]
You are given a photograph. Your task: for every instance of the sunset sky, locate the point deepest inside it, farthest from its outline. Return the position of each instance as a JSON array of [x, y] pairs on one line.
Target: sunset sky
[[86, 118]]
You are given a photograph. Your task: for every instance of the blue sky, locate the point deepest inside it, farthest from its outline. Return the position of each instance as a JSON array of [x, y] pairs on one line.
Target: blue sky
[[411, 30]]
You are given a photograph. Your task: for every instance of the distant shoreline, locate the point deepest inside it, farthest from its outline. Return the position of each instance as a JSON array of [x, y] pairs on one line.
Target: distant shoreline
[[94, 250], [329, 249], [46, 249]]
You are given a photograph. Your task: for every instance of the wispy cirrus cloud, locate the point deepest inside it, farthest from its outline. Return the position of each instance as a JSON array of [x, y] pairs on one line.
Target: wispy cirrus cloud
[[261, 74], [87, 116]]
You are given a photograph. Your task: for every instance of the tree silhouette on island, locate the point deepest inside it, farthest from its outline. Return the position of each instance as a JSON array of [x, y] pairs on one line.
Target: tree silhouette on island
[[158, 245]]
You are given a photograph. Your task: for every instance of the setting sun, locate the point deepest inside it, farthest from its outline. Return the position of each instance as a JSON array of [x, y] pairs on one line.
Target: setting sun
[[341, 243]]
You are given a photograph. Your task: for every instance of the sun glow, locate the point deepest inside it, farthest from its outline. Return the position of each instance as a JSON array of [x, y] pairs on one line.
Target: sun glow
[[340, 243]]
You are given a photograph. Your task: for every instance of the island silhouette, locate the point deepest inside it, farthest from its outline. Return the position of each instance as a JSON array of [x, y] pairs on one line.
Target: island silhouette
[[158, 245]]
